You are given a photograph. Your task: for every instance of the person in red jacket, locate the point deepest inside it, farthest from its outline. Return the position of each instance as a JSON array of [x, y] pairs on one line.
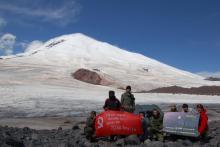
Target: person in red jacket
[[203, 121]]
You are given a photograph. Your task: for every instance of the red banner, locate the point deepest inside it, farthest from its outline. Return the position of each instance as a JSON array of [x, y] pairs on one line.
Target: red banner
[[117, 123]]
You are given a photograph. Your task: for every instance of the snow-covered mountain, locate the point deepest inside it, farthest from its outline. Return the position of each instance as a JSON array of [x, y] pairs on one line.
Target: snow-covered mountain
[[56, 59], [39, 82]]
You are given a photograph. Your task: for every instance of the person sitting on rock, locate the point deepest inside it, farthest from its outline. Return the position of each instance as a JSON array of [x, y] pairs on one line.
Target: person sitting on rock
[[173, 108], [89, 129], [128, 100], [156, 126], [203, 121], [112, 103]]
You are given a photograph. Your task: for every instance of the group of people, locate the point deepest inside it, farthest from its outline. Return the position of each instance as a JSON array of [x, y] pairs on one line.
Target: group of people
[[153, 128], [152, 124], [203, 121]]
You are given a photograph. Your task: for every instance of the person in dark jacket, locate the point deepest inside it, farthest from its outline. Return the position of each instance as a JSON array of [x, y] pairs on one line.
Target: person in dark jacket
[[89, 129], [112, 103], [128, 101], [203, 121]]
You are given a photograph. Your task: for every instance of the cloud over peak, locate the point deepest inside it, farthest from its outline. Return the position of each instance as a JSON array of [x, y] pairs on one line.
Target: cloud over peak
[[7, 43], [33, 45]]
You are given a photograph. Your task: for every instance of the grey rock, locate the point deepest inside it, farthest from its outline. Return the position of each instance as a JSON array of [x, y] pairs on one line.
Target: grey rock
[[172, 144], [187, 142], [148, 141], [87, 144], [34, 136], [214, 142], [26, 130], [76, 127], [132, 140], [179, 141], [156, 144], [120, 142], [198, 145], [60, 129], [14, 142]]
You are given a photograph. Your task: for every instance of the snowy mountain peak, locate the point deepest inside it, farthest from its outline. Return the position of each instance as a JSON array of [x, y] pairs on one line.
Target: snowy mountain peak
[[81, 46], [75, 51], [77, 37]]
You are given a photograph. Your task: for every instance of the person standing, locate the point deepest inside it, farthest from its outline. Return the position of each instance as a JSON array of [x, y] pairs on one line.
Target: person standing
[[112, 103], [128, 100], [203, 121]]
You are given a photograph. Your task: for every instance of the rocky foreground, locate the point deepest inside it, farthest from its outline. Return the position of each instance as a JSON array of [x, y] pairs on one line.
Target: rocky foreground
[[26, 137]]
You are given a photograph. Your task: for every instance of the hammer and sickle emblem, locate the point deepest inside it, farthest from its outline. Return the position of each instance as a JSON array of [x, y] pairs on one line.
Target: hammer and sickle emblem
[[100, 122]]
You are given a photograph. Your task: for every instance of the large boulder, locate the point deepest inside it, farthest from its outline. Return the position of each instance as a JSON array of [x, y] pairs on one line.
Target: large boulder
[[91, 77]]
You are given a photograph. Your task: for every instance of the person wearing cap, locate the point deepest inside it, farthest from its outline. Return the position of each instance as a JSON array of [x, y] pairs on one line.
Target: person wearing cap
[[128, 100], [112, 103]]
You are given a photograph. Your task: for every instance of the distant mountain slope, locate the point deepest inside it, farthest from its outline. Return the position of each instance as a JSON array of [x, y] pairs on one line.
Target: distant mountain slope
[[203, 90], [212, 79]]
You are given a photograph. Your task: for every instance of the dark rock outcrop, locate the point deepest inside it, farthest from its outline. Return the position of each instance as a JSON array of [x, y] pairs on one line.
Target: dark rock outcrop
[[91, 77], [212, 79], [203, 90]]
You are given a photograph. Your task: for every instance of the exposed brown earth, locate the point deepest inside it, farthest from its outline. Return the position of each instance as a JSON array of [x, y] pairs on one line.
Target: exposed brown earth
[[203, 90], [91, 77]]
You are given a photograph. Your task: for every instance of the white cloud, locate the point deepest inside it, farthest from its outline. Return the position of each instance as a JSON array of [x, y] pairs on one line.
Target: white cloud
[[210, 74], [33, 45], [63, 13], [7, 43], [2, 22]]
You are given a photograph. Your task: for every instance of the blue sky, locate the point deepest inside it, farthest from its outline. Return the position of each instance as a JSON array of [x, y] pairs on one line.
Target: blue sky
[[182, 33]]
